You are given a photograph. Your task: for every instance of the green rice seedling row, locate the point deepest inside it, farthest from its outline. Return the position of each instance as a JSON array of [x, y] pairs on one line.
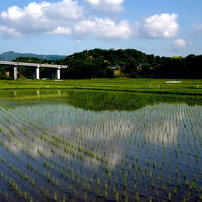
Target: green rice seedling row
[[57, 149]]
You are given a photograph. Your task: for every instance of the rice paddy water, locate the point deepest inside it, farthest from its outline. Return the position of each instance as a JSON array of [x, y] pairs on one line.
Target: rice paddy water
[[71, 145]]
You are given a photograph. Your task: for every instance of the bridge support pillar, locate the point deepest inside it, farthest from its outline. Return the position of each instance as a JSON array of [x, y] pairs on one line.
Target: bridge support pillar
[[37, 72], [58, 73], [13, 72]]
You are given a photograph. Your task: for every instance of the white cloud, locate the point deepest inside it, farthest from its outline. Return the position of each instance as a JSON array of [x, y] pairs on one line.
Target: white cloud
[[9, 32], [68, 17], [65, 17], [179, 45], [36, 9], [104, 28], [106, 6], [62, 30], [13, 13], [42, 17], [160, 26], [66, 10], [78, 41]]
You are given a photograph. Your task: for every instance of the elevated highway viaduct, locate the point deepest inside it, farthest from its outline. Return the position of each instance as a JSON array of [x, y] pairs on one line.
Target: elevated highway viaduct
[[56, 69]]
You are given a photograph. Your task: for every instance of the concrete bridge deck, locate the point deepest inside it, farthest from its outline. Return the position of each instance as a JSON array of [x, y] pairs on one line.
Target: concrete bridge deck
[[35, 65]]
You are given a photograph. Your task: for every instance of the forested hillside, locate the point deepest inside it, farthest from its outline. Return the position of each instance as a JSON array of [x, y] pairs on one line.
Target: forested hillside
[[99, 63], [132, 63]]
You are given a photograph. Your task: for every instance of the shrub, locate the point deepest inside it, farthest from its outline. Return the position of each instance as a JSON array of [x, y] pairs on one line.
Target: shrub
[[3, 77], [9, 78]]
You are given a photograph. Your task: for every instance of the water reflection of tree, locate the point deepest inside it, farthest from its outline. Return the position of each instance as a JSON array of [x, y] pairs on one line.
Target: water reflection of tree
[[156, 138], [98, 101], [162, 124]]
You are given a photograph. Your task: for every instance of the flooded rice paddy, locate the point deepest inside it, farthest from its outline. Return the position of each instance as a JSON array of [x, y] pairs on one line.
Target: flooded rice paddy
[[61, 145]]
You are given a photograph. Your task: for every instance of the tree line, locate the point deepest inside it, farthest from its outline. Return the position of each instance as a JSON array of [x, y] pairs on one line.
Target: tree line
[[100, 63]]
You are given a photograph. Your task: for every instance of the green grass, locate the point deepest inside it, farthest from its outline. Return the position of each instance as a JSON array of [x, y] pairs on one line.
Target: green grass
[[191, 86]]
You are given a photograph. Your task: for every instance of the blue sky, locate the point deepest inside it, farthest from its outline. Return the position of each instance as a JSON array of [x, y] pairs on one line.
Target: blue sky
[[159, 27]]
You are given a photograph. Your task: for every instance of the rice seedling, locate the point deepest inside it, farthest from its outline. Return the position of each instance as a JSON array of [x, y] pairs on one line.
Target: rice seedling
[[6, 196], [80, 150], [55, 196], [169, 197], [116, 195], [25, 195]]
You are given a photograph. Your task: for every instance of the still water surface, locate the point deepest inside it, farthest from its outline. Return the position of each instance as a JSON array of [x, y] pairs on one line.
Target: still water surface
[[59, 145]]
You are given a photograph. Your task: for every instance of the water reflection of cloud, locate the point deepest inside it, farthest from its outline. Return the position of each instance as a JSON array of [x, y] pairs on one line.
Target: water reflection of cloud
[[164, 133], [158, 124], [14, 148]]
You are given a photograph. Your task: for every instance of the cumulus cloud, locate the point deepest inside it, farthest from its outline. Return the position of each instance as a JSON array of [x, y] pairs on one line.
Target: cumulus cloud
[[40, 18], [160, 26], [64, 17], [9, 32], [69, 17], [66, 10], [104, 28], [62, 30], [179, 45], [106, 6]]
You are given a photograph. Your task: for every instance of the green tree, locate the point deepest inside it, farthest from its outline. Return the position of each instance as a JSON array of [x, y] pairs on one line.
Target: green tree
[[194, 66]]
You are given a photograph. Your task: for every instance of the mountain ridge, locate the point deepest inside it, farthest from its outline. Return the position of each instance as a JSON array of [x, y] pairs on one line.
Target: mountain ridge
[[11, 55]]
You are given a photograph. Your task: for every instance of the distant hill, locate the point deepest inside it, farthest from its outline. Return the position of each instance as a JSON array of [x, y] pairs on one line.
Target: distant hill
[[101, 63], [11, 55]]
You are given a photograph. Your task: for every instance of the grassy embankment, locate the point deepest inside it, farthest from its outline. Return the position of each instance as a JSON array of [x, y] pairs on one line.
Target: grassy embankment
[[191, 86]]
